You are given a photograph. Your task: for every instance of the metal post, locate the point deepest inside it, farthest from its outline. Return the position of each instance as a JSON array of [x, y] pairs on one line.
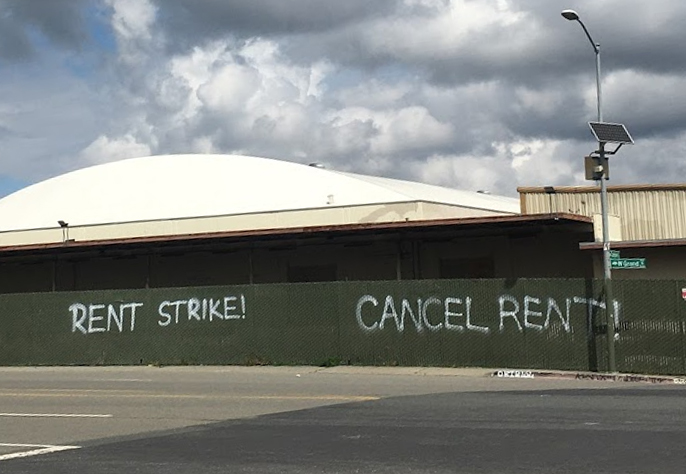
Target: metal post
[[596, 48], [251, 268], [607, 266], [399, 262], [607, 275], [607, 272]]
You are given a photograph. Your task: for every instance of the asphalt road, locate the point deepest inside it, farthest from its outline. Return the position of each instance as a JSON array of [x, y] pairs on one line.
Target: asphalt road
[[338, 420]]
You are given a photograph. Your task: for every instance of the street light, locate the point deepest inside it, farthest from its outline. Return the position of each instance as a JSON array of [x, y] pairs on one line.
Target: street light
[[571, 15]]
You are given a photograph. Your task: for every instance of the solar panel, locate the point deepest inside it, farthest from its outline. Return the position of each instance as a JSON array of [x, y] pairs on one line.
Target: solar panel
[[610, 132]]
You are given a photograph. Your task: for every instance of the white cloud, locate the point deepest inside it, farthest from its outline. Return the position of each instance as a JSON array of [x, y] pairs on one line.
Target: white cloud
[[407, 129], [230, 88], [463, 172], [456, 25], [133, 19], [511, 164], [104, 149], [374, 94]]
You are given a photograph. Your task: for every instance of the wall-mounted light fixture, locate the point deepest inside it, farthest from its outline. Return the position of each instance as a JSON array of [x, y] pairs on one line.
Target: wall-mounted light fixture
[[65, 231]]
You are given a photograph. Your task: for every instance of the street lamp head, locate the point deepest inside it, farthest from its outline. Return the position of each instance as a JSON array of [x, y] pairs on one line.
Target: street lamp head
[[570, 15]]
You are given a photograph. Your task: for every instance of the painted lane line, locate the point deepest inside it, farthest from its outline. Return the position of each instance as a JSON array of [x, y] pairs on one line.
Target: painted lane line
[[359, 398], [74, 390], [120, 380], [53, 415], [21, 445], [42, 449], [125, 394]]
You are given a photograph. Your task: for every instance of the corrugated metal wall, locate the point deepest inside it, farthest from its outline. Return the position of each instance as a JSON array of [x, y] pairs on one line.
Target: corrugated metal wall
[[541, 324], [651, 212]]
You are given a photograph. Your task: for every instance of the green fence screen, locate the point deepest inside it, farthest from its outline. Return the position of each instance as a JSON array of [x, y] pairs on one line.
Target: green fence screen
[[532, 324]]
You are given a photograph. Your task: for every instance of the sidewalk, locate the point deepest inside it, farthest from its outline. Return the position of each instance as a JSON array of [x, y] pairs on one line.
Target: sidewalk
[[503, 373]]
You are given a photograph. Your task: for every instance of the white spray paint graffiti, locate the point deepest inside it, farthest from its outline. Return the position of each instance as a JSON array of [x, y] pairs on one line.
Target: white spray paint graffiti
[[121, 317], [444, 314], [529, 313], [530, 306], [94, 318], [206, 309]]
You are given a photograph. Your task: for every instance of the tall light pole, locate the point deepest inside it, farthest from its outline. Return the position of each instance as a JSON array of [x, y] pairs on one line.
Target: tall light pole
[[571, 15]]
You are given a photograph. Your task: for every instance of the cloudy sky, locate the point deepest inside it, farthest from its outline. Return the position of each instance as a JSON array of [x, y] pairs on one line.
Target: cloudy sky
[[472, 94]]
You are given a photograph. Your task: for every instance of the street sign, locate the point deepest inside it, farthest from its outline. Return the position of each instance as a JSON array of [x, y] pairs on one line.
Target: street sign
[[614, 254], [628, 263]]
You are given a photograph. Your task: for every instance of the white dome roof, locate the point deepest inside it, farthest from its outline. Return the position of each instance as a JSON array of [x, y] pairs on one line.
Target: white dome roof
[[183, 186]]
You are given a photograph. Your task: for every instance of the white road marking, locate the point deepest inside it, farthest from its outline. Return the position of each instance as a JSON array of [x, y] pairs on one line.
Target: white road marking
[[42, 449], [53, 415], [36, 393]]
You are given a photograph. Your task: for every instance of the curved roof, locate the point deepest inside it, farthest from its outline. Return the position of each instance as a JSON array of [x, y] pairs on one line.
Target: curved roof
[[182, 186]]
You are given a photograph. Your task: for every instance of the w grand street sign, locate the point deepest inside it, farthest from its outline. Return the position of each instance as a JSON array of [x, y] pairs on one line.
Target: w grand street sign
[[628, 263]]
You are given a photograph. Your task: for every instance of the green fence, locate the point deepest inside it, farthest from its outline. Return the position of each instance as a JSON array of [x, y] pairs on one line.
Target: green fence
[[535, 324]]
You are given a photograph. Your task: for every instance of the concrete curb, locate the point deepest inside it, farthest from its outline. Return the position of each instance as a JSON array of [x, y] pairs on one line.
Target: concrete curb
[[502, 373], [478, 372], [590, 376]]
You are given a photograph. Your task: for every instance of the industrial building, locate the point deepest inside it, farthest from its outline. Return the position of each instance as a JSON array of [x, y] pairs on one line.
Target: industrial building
[[188, 220], [198, 220], [645, 221]]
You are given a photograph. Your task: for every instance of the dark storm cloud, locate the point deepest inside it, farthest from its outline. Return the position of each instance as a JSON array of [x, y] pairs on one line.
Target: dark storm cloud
[[60, 21], [636, 35], [539, 47], [187, 21], [14, 43]]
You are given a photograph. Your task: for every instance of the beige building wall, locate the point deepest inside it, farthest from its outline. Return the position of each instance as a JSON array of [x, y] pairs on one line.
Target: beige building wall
[[364, 214], [644, 212]]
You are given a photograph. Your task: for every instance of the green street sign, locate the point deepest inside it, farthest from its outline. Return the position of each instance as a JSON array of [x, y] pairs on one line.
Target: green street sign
[[628, 263], [614, 254]]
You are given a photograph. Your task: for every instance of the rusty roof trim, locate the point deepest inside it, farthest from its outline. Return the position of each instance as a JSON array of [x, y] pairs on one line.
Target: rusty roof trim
[[556, 218], [632, 244], [590, 189]]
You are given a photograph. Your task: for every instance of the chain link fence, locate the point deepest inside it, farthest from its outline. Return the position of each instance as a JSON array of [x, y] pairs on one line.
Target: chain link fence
[[528, 324]]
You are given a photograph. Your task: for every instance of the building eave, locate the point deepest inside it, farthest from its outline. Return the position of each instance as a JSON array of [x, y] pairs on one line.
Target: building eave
[[491, 222], [630, 244], [590, 189]]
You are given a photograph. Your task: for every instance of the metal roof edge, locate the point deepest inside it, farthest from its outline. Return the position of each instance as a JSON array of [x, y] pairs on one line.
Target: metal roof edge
[[464, 221], [586, 189], [269, 213], [628, 244]]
